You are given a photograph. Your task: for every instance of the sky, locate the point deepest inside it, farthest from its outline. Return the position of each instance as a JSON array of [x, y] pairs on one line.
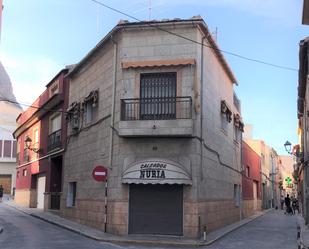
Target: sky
[[39, 38]]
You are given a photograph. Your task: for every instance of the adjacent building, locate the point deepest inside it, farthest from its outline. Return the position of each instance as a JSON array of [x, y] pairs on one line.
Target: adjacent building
[[41, 140], [251, 181], [289, 186], [302, 151], [9, 110], [269, 169], [159, 112]]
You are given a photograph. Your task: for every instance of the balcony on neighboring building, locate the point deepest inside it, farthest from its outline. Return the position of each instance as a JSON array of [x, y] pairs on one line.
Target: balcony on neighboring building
[[54, 140], [162, 116]]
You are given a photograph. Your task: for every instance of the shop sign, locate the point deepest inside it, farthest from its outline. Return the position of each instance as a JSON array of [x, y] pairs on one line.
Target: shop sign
[[156, 171]]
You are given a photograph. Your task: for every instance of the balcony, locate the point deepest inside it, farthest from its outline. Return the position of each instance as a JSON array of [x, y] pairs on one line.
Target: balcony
[[54, 140], [169, 116]]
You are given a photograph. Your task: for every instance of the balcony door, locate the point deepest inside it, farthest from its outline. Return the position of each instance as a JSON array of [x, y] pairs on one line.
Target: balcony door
[[54, 137], [158, 96]]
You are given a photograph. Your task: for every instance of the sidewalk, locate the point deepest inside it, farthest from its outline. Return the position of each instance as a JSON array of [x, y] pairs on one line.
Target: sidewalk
[[136, 239], [302, 233]]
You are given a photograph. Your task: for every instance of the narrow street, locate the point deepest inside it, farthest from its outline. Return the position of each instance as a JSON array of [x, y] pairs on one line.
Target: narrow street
[[272, 230]]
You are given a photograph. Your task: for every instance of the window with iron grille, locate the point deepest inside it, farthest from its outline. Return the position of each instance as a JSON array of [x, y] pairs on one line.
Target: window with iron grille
[[158, 96]]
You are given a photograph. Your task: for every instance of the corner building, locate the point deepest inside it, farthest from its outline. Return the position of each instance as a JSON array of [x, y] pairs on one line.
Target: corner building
[[159, 112]]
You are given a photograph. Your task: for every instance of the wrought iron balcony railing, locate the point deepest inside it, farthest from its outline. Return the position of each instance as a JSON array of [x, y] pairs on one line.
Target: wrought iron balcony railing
[[166, 108], [54, 140]]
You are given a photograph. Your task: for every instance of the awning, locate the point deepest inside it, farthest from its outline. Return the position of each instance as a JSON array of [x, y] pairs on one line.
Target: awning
[[156, 171], [157, 63]]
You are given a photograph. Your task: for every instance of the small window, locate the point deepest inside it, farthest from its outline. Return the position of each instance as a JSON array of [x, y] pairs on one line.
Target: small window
[[54, 89], [237, 134], [236, 195], [262, 159], [7, 150], [26, 156], [55, 124], [90, 106], [226, 115], [224, 123], [17, 174], [1, 141], [36, 136], [247, 171], [14, 149], [25, 172], [89, 112], [71, 197]]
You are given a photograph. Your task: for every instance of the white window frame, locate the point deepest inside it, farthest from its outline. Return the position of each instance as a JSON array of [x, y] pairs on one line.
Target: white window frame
[[237, 195], [51, 130], [89, 112], [71, 195]]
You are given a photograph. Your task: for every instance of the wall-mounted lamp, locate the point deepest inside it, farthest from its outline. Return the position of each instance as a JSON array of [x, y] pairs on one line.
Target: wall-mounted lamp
[[28, 142], [288, 147], [295, 150]]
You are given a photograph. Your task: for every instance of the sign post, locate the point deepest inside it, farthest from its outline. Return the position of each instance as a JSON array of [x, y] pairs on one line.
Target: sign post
[[99, 174]]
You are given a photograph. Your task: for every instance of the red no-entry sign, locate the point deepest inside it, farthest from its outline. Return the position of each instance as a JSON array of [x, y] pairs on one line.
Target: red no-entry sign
[[99, 173]]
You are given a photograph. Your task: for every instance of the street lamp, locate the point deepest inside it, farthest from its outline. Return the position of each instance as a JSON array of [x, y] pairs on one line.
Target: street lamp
[[288, 147], [28, 142]]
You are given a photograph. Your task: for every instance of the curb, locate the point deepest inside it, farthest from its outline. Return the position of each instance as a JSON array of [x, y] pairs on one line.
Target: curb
[[154, 242], [242, 223], [120, 239]]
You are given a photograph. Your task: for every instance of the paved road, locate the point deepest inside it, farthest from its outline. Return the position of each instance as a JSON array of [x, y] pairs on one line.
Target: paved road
[[26, 232], [273, 230]]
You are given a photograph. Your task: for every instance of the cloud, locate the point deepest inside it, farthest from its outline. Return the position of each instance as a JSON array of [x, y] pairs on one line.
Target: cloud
[[29, 74]]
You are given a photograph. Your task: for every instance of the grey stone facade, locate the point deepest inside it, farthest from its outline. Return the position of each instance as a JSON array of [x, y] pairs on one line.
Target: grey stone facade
[[211, 155]]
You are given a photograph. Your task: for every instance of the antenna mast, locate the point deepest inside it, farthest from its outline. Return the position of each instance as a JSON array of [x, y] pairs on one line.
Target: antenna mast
[[149, 8]]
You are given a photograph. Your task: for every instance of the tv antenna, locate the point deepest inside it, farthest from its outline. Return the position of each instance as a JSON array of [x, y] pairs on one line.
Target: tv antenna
[[215, 34], [149, 9]]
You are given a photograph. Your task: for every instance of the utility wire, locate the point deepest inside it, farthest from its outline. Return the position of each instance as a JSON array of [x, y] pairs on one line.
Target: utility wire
[[197, 42], [31, 106]]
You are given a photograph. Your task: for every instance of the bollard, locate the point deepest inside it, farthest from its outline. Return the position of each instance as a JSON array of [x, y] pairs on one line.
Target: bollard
[[204, 233]]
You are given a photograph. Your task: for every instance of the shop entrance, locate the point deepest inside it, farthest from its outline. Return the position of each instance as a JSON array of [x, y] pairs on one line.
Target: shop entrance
[[156, 209]]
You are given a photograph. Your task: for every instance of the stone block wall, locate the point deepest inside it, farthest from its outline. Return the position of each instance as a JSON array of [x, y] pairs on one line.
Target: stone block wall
[[218, 213], [117, 218], [89, 212]]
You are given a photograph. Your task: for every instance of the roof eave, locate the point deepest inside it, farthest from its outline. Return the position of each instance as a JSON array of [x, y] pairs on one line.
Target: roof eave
[[305, 17], [78, 66], [218, 52]]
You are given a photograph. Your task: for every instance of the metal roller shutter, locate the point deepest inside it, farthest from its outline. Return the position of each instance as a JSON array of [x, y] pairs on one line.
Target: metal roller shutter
[[156, 209]]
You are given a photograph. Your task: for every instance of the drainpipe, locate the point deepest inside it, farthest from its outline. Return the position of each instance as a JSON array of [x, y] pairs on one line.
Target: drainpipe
[[305, 181], [111, 140], [241, 185], [306, 201], [201, 109], [200, 230]]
